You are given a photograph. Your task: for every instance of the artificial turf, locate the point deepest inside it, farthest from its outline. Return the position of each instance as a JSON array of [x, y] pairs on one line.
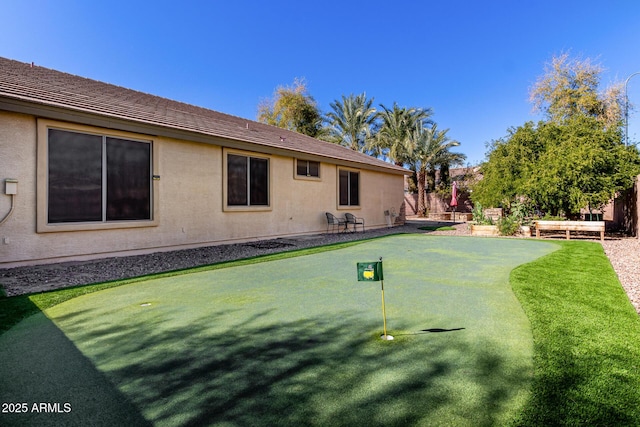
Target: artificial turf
[[306, 350], [296, 341], [587, 340]]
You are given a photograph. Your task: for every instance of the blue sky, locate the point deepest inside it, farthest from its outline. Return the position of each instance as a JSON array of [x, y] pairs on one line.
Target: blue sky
[[472, 62]]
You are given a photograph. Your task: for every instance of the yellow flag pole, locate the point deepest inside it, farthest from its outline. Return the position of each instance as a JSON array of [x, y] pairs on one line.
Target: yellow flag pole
[[384, 313]]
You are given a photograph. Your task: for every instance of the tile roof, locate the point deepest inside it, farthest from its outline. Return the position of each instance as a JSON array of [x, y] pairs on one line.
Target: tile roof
[[50, 88]]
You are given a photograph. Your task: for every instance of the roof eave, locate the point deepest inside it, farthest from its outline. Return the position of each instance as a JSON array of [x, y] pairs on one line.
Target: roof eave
[[52, 111]]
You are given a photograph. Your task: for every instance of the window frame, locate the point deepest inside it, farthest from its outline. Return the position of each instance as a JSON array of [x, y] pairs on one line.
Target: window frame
[[338, 185], [42, 180], [226, 207]]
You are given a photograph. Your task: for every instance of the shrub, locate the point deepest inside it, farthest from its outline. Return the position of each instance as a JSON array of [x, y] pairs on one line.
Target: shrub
[[508, 225], [478, 215]]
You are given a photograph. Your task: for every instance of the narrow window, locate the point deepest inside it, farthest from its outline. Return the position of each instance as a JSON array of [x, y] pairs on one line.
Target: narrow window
[[128, 180], [259, 181], [75, 177], [237, 172], [349, 187]]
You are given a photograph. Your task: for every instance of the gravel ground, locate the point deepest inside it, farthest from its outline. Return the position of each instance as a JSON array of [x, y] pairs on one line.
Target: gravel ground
[[624, 254]]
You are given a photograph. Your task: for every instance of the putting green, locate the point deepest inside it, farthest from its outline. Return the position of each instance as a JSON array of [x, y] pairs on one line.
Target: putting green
[[293, 342]]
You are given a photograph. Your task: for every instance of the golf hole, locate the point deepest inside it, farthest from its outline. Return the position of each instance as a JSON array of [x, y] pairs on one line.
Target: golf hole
[[145, 304], [386, 337]]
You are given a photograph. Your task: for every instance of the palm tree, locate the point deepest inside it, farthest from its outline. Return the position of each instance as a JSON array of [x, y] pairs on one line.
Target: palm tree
[[431, 150], [394, 138], [444, 164], [352, 121]]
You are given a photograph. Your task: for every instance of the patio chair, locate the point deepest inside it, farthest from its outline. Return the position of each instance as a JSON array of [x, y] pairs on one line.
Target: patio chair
[[354, 222], [333, 222]]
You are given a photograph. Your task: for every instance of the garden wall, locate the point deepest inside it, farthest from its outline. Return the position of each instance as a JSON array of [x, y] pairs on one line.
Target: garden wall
[[437, 203], [626, 210]]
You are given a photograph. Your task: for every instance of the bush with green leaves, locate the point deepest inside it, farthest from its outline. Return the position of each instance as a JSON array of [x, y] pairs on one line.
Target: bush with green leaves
[[521, 211], [508, 225], [479, 217]]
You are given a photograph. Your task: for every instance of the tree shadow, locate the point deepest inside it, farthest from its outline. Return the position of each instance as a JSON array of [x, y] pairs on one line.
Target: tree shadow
[[40, 365], [314, 371]]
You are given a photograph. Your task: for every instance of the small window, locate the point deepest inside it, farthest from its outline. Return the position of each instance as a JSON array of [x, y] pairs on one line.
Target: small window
[[247, 181], [308, 168], [96, 178], [349, 188]]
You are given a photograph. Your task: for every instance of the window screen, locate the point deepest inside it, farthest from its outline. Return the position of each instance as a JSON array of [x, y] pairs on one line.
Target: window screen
[[75, 177], [349, 187], [307, 168], [128, 180], [93, 178], [259, 188], [247, 181]]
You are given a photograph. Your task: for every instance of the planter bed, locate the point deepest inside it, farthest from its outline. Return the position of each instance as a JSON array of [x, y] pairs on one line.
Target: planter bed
[[448, 216], [484, 230], [569, 226]]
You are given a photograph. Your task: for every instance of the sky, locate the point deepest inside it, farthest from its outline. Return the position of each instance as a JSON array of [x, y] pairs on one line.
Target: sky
[[472, 62]]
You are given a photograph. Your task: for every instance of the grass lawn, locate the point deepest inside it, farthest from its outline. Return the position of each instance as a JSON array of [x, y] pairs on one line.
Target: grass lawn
[[587, 340], [228, 347]]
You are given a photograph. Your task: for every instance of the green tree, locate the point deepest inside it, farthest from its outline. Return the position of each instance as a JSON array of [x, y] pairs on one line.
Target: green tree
[[583, 166], [430, 149], [293, 108], [560, 167], [444, 162], [573, 160], [393, 140], [509, 165], [569, 87], [352, 122]]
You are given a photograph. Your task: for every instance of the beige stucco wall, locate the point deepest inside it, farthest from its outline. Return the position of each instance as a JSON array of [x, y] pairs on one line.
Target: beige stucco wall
[[188, 202], [17, 161]]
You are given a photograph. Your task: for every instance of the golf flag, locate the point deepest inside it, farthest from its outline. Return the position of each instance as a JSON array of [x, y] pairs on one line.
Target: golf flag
[[370, 271]]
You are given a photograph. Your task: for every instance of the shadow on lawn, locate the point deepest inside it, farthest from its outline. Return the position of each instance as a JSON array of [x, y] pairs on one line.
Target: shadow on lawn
[[54, 384], [308, 372]]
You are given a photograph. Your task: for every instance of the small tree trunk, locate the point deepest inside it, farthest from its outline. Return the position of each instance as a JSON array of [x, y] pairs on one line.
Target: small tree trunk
[[430, 183], [422, 205], [444, 175]]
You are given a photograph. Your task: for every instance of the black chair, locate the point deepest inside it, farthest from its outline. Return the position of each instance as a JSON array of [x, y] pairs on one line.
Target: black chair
[[333, 222], [354, 222]]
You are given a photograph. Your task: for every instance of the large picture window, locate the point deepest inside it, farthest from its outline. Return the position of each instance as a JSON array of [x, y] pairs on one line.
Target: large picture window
[[97, 178], [349, 188], [247, 180]]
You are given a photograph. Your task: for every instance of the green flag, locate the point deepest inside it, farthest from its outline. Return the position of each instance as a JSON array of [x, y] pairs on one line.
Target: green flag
[[370, 271]]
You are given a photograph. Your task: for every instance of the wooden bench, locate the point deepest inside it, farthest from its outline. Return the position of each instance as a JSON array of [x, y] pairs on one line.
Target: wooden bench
[[569, 226]]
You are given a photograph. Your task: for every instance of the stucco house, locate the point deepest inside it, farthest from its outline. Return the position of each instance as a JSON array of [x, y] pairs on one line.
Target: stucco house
[[90, 170]]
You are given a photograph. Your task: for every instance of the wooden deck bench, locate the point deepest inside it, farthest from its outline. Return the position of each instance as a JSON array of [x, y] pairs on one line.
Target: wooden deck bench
[[568, 226]]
